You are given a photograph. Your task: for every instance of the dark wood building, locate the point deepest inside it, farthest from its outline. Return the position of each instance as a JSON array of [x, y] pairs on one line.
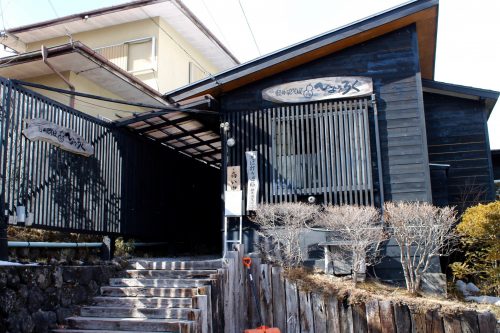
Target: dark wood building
[[413, 139]]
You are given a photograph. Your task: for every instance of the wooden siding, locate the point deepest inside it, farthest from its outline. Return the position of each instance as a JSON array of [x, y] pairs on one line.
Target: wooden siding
[[457, 135], [392, 62]]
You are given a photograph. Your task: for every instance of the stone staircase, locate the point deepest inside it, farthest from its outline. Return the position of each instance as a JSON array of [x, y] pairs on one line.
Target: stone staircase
[[156, 295]]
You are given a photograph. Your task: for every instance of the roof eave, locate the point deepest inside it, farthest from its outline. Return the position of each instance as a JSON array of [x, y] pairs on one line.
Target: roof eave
[[352, 34], [489, 97], [90, 54]]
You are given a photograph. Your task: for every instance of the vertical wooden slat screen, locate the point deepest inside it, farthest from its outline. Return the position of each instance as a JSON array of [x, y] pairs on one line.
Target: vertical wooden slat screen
[[320, 149]]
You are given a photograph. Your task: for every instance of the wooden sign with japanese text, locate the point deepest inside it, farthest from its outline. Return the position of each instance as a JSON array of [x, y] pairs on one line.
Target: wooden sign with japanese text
[[62, 137], [233, 178], [319, 89]]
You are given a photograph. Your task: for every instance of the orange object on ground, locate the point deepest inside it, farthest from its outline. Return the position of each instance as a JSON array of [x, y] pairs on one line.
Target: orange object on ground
[[247, 262], [263, 329]]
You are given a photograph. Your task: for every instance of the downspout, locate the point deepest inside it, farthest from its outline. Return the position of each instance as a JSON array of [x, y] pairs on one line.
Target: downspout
[[70, 85], [379, 157]]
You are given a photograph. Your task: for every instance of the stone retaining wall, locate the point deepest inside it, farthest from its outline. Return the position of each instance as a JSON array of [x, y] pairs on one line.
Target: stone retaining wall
[[39, 298]]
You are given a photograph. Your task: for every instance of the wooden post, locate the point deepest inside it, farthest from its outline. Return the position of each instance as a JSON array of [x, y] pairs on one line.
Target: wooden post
[[487, 322], [417, 321], [359, 318], [373, 317], [278, 299], [402, 318], [468, 322], [451, 325], [292, 308], [346, 325], [231, 296], [319, 313], [306, 315], [266, 294], [252, 312], [240, 288], [387, 317], [332, 315], [433, 321], [201, 302]]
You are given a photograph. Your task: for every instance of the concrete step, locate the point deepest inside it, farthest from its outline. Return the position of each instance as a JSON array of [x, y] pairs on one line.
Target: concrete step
[[162, 283], [131, 312], [132, 324], [148, 292], [143, 302], [172, 274], [177, 265]]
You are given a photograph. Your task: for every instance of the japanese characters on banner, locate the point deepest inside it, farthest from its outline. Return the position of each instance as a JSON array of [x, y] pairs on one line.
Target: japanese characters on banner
[[253, 180]]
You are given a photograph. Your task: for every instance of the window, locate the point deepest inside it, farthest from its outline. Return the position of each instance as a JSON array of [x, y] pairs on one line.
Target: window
[[133, 56], [322, 148], [195, 73]]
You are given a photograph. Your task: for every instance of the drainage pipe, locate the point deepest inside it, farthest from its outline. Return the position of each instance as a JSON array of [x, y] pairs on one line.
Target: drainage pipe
[[45, 60], [70, 245], [53, 244]]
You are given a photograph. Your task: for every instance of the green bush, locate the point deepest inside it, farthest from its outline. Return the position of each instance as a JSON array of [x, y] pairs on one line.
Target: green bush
[[480, 237], [124, 248]]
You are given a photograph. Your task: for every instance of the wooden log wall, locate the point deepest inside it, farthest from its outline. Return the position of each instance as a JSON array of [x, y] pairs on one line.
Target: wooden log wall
[[294, 310]]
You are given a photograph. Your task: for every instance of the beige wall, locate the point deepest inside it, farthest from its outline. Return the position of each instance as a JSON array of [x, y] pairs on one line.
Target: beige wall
[[82, 104], [172, 60], [113, 35]]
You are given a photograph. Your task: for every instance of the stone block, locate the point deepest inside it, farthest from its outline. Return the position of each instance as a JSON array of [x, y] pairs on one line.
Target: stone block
[[434, 283]]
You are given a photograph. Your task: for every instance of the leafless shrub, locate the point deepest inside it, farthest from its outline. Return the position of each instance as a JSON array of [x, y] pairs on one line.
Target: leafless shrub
[[281, 224], [470, 194], [359, 230], [422, 231]]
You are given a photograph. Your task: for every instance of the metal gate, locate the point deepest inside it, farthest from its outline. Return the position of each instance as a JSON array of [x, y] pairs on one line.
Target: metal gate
[[59, 189], [316, 149]]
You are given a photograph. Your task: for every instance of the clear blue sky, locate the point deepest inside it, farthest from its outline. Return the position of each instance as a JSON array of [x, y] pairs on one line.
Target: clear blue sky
[[468, 50]]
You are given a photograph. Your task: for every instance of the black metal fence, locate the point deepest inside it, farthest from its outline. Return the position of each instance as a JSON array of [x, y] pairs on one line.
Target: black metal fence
[[59, 189], [130, 186]]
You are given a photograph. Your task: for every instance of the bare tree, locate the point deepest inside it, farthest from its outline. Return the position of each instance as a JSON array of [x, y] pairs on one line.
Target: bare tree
[[281, 224], [422, 232], [359, 231]]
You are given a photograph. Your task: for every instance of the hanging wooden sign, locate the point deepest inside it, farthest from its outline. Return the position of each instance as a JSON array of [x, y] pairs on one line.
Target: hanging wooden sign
[[253, 180], [233, 178], [59, 136], [319, 89]]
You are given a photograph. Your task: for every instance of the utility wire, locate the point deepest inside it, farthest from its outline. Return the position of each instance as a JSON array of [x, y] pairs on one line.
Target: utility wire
[[57, 15], [249, 28], [215, 22], [181, 47], [3, 19]]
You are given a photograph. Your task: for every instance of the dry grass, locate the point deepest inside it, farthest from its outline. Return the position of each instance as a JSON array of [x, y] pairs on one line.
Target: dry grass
[[38, 235], [372, 289]]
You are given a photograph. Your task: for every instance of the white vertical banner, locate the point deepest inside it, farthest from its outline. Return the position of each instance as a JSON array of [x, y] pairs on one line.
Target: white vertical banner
[[253, 180]]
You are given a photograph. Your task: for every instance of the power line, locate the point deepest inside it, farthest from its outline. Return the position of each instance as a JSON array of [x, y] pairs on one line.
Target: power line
[[68, 33], [53, 8], [249, 28], [215, 22], [181, 47], [3, 19]]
